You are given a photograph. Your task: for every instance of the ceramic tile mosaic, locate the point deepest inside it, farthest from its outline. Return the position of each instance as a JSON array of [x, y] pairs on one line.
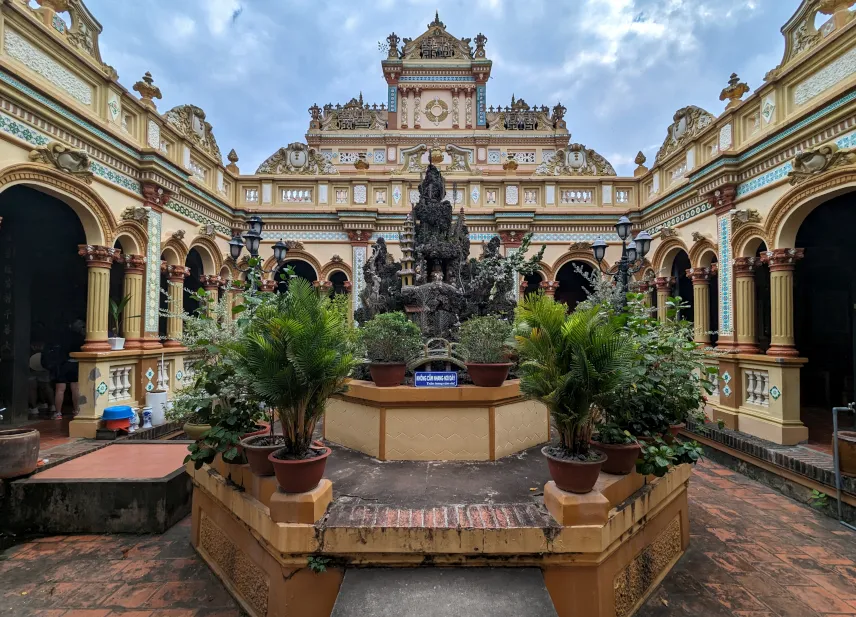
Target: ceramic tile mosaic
[[359, 260], [153, 262], [759, 182], [724, 278]]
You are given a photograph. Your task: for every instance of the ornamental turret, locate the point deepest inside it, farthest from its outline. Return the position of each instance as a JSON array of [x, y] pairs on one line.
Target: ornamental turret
[[406, 243]]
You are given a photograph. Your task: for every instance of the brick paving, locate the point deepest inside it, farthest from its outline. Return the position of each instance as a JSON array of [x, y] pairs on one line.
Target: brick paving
[[754, 553]]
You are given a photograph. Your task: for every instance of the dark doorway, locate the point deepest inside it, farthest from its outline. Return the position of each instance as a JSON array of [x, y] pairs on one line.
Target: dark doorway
[[301, 269], [683, 284], [574, 287], [533, 283], [763, 323], [192, 282], [338, 279], [43, 285]]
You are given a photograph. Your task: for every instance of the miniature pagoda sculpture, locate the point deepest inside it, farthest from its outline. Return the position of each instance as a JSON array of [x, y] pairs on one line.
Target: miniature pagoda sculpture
[[436, 282]]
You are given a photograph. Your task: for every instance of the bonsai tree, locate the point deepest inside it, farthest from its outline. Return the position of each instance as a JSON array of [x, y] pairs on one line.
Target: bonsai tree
[[570, 363], [485, 340], [116, 310], [296, 352], [391, 338]]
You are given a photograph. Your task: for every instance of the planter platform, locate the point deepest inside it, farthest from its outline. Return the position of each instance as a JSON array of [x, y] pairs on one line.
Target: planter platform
[[467, 423], [610, 550]]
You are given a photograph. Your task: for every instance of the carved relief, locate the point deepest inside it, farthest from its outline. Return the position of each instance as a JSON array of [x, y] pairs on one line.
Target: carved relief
[[577, 161], [817, 160], [297, 158], [355, 114], [74, 162], [190, 122], [741, 217], [208, 230], [413, 159], [668, 232], [135, 213], [519, 116], [580, 246], [688, 122], [460, 161], [437, 44]]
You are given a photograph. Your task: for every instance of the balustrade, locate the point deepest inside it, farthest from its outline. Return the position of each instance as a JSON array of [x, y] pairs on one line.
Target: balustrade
[[163, 373], [576, 196], [120, 380], [757, 387]]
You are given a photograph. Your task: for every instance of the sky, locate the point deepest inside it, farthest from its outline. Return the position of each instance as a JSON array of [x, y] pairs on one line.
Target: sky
[[621, 67]]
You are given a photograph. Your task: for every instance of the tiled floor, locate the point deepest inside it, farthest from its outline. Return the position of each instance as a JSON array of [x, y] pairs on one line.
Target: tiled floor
[[126, 460], [754, 553]]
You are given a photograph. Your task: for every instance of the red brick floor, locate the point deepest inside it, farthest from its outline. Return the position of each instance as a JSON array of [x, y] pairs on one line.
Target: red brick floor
[[122, 460], [753, 553]]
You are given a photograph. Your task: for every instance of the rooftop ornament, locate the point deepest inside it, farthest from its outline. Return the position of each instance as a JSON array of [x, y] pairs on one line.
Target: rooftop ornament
[[148, 91], [734, 92]]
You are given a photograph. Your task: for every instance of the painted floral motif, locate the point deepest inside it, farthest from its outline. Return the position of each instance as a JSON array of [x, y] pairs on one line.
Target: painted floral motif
[[396, 194], [775, 393], [474, 195], [101, 389], [726, 377], [727, 390]]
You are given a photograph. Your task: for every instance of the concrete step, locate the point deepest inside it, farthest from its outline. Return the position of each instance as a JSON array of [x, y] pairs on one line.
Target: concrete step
[[443, 592]]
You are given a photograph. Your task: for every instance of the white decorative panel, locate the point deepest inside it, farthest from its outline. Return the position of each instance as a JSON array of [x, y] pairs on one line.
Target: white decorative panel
[[481, 153], [547, 155], [23, 51], [390, 153], [726, 326], [251, 195], [267, 192], [524, 157], [414, 196], [511, 195], [396, 194], [379, 156], [550, 194], [655, 186], [475, 194], [768, 108], [220, 186], [725, 138], [185, 157], [691, 158], [348, 157], [833, 73], [494, 157], [153, 263], [322, 193], [114, 107], [360, 194], [607, 193], [153, 135], [359, 256]]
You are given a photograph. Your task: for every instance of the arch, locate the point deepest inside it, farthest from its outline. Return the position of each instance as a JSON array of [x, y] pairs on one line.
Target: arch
[[334, 266], [546, 271], [583, 256], [171, 256], [702, 253], [178, 247], [226, 273], [665, 253], [95, 215], [212, 258], [574, 286], [788, 213], [297, 255], [133, 237], [747, 239]]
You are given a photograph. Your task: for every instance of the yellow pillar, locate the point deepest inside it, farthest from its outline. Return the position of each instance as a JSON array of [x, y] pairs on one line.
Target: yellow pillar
[[746, 327], [132, 318], [211, 285], [701, 304], [664, 290], [174, 324], [99, 260], [782, 263]]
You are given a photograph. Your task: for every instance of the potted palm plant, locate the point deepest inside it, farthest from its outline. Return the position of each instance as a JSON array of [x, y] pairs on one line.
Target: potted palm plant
[[569, 362], [390, 340], [297, 353], [116, 309], [484, 347]]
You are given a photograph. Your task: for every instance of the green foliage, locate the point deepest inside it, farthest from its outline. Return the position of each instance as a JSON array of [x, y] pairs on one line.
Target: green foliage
[[687, 452], [295, 354], [391, 337], [318, 564], [485, 340], [656, 459], [570, 363], [116, 310], [612, 434], [819, 500], [720, 423]]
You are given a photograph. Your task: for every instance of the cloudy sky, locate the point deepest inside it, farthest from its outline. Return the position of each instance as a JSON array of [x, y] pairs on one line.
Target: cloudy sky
[[621, 67]]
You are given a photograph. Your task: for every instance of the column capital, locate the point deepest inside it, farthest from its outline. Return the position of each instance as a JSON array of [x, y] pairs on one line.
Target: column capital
[[549, 287], [699, 276], [511, 238], [722, 199], [134, 264], [714, 269], [348, 286], [781, 260], [745, 266], [359, 236], [177, 273], [210, 282], [268, 285], [664, 283], [98, 256], [155, 196], [643, 287]]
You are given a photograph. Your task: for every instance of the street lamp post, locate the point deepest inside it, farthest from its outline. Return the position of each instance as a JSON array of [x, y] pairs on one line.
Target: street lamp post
[[632, 254], [252, 240]]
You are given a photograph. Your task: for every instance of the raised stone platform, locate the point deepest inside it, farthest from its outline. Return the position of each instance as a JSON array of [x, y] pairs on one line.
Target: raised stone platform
[[467, 423], [602, 564]]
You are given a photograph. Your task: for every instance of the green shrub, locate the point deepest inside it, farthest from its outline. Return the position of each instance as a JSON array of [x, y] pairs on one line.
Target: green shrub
[[391, 337], [484, 340]]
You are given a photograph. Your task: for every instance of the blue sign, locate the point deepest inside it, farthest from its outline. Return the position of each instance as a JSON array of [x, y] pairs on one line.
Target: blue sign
[[436, 379]]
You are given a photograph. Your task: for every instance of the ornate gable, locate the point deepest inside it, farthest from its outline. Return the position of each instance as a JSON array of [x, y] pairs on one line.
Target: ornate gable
[[297, 158], [688, 122], [190, 122], [437, 44], [576, 161]]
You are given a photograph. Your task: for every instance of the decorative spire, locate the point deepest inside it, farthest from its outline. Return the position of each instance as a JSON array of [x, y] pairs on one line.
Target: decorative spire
[[734, 92], [233, 160], [148, 91], [640, 161], [480, 40], [437, 21]]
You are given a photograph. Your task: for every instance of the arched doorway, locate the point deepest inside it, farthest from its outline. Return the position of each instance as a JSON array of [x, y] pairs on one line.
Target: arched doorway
[[44, 285], [683, 284], [193, 282], [533, 283], [301, 268], [574, 286], [338, 278]]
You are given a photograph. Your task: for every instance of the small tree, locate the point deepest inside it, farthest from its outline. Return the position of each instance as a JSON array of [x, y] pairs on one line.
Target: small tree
[[116, 310], [485, 340], [391, 337]]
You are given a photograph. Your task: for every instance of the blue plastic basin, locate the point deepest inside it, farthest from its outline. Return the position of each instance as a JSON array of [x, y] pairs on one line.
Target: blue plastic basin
[[118, 412]]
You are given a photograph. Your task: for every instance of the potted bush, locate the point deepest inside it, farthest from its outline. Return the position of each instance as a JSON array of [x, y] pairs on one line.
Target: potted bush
[[484, 347], [297, 352], [390, 340], [116, 309], [570, 363], [620, 446]]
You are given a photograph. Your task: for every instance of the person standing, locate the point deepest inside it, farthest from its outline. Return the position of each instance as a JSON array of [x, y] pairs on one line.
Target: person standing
[[64, 368]]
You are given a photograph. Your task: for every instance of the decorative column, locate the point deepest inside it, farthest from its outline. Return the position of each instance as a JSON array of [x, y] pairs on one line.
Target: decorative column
[[512, 240], [549, 287], [468, 108], [359, 239], [211, 284], [408, 112], [664, 286], [722, 201], [174, 326], [155, 199], [324, 287], [782, 263], [701, 304], [745, 321], [132, 318], [99, 260]]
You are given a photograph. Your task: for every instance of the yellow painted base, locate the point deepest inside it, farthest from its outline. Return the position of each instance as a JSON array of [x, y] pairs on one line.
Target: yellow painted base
[[303, 508], [84, 427], [572, 509], [787, 435]]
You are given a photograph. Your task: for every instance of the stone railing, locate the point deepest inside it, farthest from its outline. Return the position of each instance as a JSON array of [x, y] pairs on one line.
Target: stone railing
[[120, 383]]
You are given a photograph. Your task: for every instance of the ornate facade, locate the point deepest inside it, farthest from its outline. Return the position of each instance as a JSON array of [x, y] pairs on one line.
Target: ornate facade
[[153, 185]]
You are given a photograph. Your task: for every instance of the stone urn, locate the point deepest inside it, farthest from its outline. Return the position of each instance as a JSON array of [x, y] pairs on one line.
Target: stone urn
[[19, 452]]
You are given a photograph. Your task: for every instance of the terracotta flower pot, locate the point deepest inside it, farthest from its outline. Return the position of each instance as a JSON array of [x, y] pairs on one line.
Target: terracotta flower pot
[[299, 476], [262, 428], [195, 431], [847, 452], [674, 429], [19, 452], [573, 476], [620, 458], [387, 374], [257, 456], [488, 375]]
